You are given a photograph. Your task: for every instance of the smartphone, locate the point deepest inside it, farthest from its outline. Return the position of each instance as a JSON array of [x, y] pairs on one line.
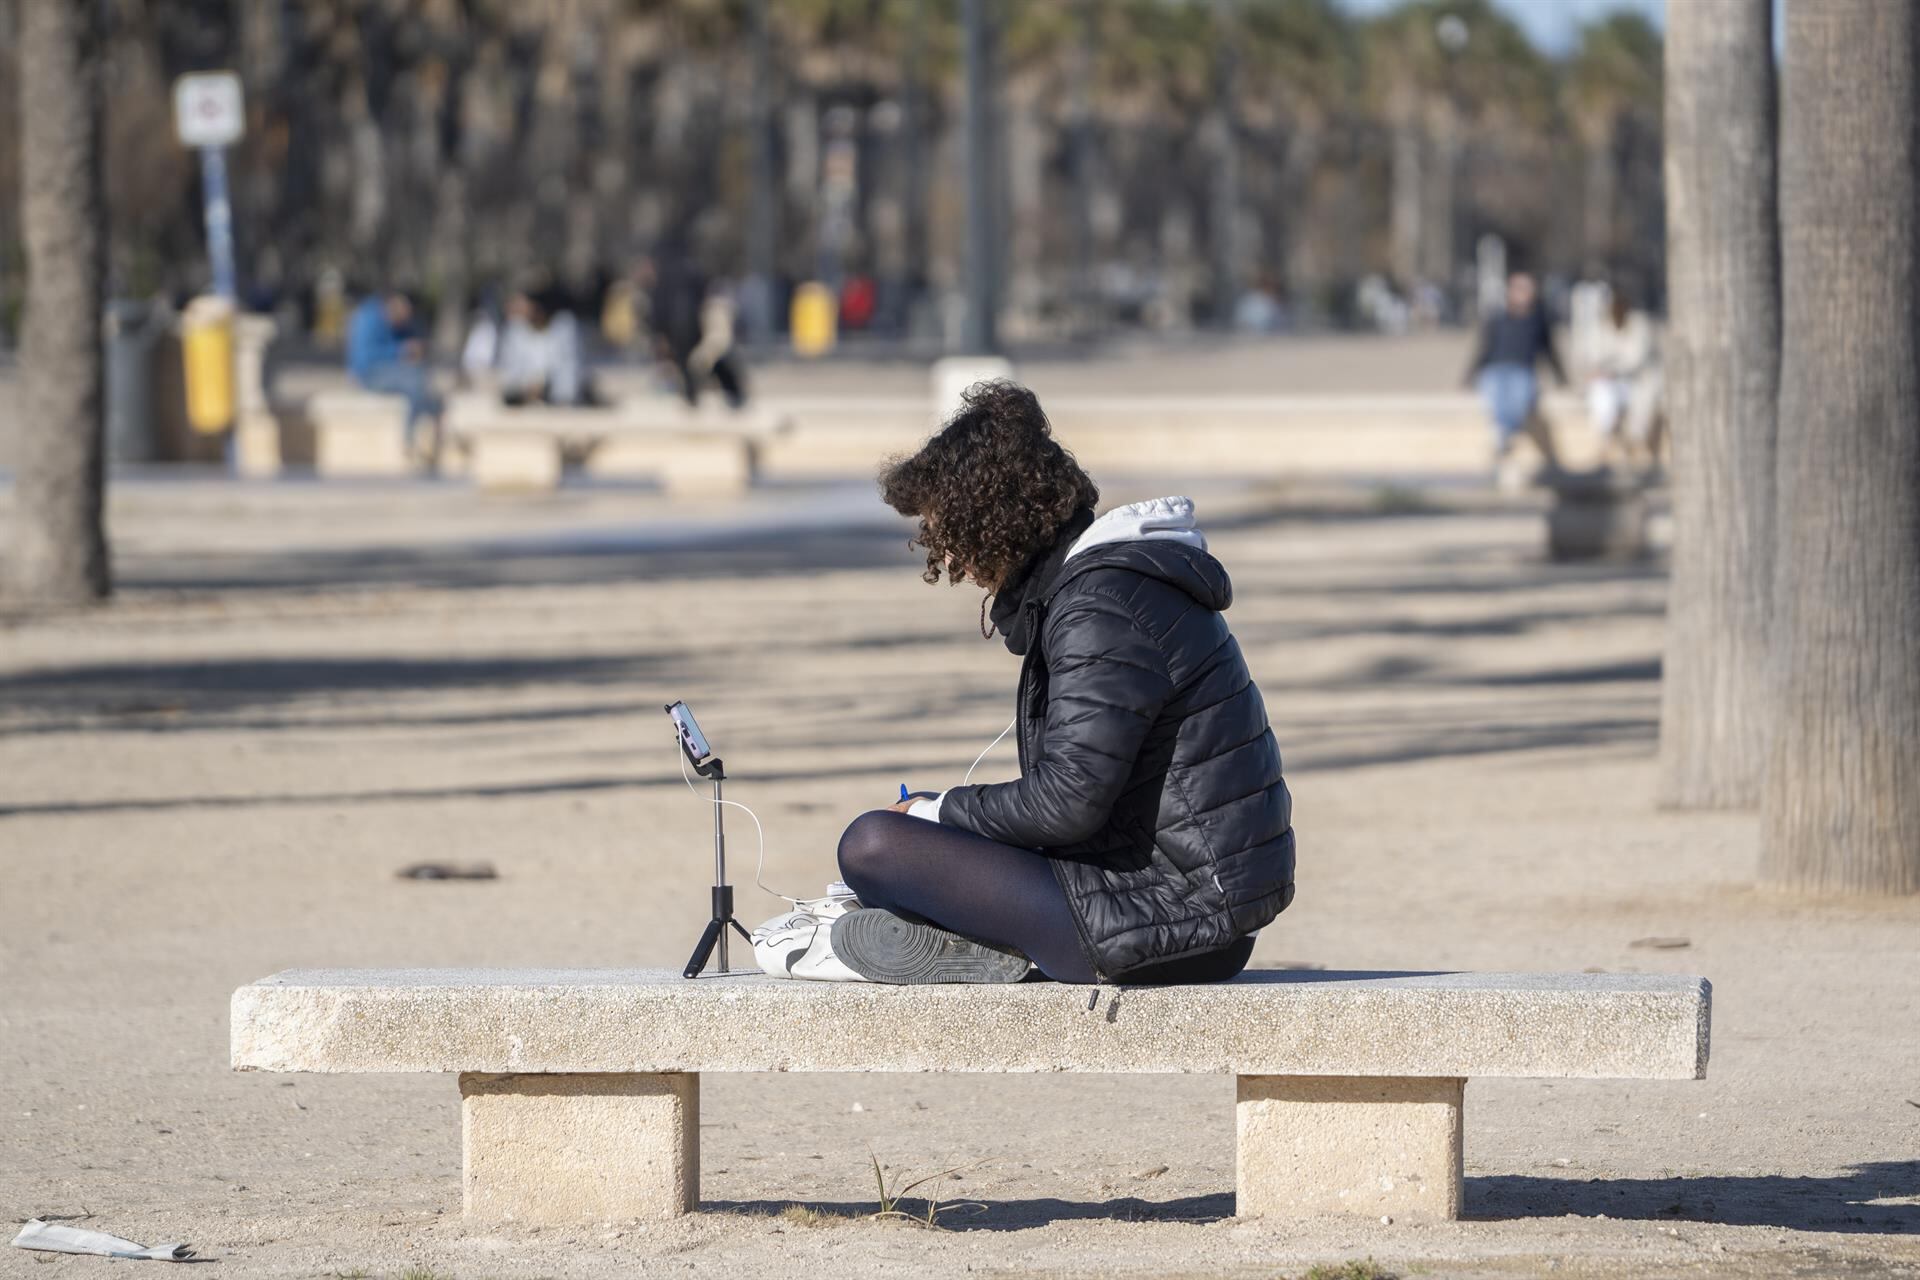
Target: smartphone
[[691, 739]]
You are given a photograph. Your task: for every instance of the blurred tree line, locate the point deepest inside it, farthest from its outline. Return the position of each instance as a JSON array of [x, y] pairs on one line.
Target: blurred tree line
[[1156, 159]]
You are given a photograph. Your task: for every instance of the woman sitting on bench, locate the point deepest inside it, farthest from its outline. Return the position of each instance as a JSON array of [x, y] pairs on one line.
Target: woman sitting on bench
[[1150, 833]]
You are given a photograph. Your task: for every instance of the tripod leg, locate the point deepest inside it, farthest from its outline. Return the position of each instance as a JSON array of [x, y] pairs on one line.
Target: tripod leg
[[740, 929], [701, 953]]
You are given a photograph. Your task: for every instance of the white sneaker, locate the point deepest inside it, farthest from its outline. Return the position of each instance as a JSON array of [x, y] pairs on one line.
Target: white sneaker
[[838, 901], [799, 944]]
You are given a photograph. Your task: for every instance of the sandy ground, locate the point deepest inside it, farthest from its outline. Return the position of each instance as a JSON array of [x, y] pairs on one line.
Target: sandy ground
[[302, 689]]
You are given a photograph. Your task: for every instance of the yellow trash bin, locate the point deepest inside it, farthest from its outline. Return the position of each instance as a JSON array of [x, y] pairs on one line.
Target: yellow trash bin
[[206, 343], [814, 321], [330, 310], [619, 320]]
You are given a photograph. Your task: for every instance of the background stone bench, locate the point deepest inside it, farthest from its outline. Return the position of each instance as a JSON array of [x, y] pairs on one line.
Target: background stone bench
[[710, 451], [580, 1088], [358, 433]]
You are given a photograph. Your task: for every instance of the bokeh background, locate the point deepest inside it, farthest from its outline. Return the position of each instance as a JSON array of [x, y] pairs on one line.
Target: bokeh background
[[1157, 165]]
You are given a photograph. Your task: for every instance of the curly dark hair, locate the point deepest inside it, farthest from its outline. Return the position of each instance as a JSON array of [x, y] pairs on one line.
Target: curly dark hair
[[991, 487]]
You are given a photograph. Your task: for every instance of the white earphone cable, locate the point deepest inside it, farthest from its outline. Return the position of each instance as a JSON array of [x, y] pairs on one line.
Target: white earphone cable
[[760, 864], [990, 746]]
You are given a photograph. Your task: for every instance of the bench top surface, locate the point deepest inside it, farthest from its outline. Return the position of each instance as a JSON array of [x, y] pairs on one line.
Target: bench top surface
[[1279, 1022], [637, 416]]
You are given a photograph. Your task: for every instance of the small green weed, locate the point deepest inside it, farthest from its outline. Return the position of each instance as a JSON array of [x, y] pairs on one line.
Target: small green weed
[[891, 1197], [800, 1215], [1350, 1270], [350, 1273], [422, 1273]]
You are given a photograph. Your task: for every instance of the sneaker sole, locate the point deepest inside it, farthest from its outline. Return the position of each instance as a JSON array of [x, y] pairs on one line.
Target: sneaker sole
[[883, 947]]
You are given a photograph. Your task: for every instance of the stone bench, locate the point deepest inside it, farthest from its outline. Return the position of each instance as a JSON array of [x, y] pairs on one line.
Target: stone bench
[[580, 1087], [358, 433], [703, 452]]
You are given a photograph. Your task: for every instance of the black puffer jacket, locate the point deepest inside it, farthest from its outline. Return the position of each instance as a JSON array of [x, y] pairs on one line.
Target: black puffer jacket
[[1148, 772]]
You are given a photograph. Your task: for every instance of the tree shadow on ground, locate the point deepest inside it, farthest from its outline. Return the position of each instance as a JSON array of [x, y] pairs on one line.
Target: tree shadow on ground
[[1508, 623], [1445, 571], [1009, 1215], [559, 560], [1841, 1203], [1479, 740], [163, 715], [1637, 669], [1414, 669], [420, 795], [192, 686]]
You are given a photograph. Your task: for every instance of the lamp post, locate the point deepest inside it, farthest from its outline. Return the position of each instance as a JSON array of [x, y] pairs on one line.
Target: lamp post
[[1453, 35], [1226, 169], [912, 111], [982, 261], [1081, 79], [763, 215]]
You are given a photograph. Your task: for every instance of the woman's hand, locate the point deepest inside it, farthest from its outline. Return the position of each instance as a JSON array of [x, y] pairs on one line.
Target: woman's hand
[[905, 806]]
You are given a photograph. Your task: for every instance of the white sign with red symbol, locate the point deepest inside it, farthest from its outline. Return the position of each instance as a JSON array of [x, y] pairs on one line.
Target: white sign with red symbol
[[207, 109]]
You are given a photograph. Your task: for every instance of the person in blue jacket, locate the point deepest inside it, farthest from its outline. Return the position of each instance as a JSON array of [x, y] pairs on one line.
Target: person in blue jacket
[[1514, 342], [385, 354]]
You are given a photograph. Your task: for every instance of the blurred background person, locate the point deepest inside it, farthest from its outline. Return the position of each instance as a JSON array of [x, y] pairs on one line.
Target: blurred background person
[[675, 290], [717, 354], [541, 358], [1513, 343], [1260, 309], [480, 349], [1624, 385], [692, 325], [385, 354]]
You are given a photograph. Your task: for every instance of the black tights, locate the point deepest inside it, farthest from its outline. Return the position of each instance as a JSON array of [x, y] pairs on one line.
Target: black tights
[[991, 892]]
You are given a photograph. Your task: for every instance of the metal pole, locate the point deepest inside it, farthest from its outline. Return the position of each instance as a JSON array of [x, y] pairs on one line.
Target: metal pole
[[719, 859], [213, 186], [763, 224], [981, 259], [911, 94], [1082, 154], [1226, 186]]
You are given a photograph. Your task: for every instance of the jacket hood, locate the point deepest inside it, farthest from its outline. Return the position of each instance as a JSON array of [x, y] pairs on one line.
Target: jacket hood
[[1159, 519], [1158, 538]]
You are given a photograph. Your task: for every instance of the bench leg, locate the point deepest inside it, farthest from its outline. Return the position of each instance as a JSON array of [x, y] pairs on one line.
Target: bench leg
[[556, 1149], [1349, 1144], [502, 462], [362, 446], [256, 444], [721, 469]]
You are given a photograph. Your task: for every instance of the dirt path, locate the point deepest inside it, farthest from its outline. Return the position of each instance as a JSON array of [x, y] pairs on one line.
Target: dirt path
[[303, 689]]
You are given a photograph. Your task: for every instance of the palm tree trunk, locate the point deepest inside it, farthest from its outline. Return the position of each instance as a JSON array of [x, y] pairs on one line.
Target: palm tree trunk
[[1597, 204], [1224, 207], [1080, 148], [1842, 802], [1723, 371], [1442, 197], [982, 260], [1405, 224], [58, 549]]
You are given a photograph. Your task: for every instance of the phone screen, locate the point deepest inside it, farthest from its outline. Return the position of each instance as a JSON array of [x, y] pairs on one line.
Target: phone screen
[[689, 729]]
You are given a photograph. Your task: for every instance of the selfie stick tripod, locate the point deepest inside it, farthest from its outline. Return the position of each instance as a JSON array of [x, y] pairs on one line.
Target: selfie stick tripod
[[716, 931]]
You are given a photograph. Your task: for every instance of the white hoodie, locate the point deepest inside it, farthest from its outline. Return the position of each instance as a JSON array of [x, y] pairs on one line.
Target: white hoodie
[[1167, 519], [1155, 520]]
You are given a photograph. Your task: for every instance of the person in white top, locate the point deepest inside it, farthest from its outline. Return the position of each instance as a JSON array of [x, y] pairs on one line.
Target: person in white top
[[1624, 386], [540, 356]]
